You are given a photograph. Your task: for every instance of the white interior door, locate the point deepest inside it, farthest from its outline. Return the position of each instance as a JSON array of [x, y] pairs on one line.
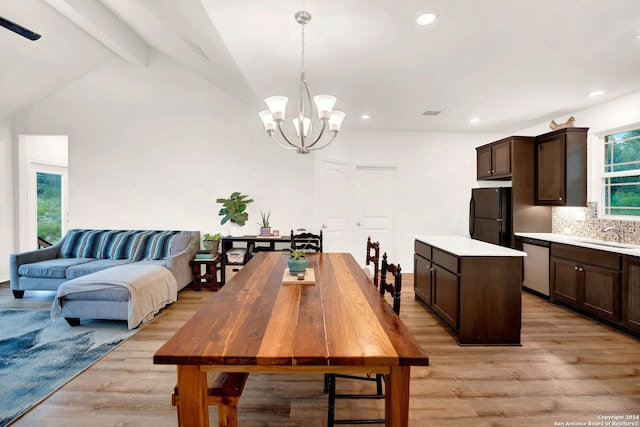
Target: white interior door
[[334, 205], [376, 198]]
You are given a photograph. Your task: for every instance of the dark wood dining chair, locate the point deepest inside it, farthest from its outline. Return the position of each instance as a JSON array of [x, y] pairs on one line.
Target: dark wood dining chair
[[394, 288], [372, 261], [307, 241]]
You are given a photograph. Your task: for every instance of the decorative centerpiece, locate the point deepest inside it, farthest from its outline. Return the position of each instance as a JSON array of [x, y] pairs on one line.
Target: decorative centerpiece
[[212, 243], [265, 226], [298, 261], [234, 211]]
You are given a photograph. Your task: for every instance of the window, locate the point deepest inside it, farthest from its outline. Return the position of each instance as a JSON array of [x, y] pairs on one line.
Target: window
[[621, 179]]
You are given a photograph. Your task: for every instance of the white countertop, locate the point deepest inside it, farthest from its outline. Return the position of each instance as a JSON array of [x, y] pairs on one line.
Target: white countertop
[[465, 246], [585, 242]]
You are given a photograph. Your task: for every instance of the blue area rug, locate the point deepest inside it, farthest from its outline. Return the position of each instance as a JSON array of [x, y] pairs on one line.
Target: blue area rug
[[38, 356]]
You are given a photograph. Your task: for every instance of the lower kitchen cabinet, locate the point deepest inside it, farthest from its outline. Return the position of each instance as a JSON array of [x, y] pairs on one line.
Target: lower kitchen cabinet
[[631, 293], [477, 297], [422, 278], [586, 279]]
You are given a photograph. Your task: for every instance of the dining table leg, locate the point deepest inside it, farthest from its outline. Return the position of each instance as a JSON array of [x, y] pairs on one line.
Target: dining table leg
[[397, 396], [192, 407]]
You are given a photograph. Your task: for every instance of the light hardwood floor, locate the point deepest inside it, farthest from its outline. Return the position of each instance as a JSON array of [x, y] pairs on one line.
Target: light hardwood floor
[[568, 369]]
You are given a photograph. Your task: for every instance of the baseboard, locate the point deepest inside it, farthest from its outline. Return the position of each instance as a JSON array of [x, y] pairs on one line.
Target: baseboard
[[4, 279]]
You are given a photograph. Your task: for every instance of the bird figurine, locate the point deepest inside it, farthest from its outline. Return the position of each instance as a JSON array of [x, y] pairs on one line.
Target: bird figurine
[[568, 124]]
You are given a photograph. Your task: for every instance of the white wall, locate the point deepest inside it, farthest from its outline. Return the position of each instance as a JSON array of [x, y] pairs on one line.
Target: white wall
[[154, 147], [7, 237]]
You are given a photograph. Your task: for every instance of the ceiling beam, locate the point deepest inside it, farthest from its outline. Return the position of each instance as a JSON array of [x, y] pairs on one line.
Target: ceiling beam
[[94, 18]]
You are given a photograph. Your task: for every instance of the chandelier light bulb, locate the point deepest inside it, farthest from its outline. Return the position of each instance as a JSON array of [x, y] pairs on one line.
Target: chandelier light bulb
[[335, 121], [277, 105]]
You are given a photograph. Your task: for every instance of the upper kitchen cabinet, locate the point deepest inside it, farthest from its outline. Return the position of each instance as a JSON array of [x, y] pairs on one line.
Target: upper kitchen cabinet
[[512, 159], [561, 168], [494, 160]]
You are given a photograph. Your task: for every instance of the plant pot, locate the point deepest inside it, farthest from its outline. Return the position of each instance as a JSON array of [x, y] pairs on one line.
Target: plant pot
[[265, 231], [297, 266], [207, 244], [235, 230], [215, 246]]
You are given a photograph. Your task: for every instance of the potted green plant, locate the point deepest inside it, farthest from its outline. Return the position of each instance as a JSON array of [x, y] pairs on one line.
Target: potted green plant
[[265, 226], [234, 210], [212, 242], [298, 261]]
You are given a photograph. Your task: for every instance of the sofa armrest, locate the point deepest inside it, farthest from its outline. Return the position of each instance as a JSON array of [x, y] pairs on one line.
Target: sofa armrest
[[16, 260], [180, 266]]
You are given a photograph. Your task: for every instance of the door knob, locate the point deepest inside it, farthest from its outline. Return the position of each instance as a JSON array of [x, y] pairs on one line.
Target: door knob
[[358, 224], [324, 225]]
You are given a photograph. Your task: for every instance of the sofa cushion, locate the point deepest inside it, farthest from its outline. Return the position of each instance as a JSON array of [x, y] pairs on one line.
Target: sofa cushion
[[123, 244], [155, 245], [180, 243], [51, 268], [93, 266], [112, 293], [73, 244]]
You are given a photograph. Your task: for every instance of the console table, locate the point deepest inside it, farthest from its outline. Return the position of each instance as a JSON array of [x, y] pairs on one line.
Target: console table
[[253, 244]]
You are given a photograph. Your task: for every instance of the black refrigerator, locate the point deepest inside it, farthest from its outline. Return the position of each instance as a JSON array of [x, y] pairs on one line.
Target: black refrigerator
[[490, 215]]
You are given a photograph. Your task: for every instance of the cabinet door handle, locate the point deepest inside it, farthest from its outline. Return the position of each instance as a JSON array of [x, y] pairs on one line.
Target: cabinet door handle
[[581, 269], [493, 170], [560, 198], [575, 268]]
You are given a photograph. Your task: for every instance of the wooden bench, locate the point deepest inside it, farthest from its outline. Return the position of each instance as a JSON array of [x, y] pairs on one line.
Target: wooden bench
[[223, 390]]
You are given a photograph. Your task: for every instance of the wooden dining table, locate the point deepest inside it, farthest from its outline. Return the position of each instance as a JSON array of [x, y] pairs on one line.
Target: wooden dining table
[[257, 324]]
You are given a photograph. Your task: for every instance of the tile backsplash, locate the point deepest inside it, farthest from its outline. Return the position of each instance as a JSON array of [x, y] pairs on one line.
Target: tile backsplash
[[584, 222]]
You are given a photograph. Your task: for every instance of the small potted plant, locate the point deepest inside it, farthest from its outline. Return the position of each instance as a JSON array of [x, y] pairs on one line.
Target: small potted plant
[[265, 226], [212, 243], [234, 210], [298, 261]]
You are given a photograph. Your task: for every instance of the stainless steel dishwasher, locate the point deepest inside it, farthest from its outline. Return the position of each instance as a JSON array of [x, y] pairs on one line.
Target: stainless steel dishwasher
[[536, 265]]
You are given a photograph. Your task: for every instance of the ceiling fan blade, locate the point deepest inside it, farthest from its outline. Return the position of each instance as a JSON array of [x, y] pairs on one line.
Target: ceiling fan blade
[[18, 29]]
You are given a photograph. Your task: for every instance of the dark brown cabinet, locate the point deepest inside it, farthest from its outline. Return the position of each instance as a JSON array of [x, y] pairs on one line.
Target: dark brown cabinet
[[561, 168], [422, 274], [586, 279], [513, 158], [494, 160], [631, 293], [478, 297]]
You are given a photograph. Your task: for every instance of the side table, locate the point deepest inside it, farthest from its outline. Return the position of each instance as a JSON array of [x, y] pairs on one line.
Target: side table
[[210, 276]]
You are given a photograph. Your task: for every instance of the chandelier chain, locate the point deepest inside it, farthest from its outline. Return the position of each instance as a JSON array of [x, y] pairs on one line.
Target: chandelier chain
[[302, 57]]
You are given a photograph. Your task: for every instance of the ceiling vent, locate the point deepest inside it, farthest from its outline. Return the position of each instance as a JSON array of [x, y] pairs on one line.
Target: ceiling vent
[[431, 113]]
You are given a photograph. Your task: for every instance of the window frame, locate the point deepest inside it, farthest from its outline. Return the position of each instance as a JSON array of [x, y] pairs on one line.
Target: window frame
[[602, 175]]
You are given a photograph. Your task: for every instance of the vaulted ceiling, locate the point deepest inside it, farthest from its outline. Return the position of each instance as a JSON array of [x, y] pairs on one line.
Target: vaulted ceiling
[[511, 64]]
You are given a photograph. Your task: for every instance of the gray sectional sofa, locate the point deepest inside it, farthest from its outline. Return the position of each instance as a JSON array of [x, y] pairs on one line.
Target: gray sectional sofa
[[109, 256]]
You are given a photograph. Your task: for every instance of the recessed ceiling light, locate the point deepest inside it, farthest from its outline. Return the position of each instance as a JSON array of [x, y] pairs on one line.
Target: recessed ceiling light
[[365, 117], [427, 18], [596, 93], [475, 120]]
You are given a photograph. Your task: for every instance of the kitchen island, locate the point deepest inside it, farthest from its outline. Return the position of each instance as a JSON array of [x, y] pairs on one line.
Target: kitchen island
[[472, 286]]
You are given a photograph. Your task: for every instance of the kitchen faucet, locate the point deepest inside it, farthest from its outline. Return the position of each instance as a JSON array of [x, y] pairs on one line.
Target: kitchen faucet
[[619, 232]]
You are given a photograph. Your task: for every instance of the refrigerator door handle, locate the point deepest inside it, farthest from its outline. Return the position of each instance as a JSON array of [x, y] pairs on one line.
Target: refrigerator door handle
[[472, 216]]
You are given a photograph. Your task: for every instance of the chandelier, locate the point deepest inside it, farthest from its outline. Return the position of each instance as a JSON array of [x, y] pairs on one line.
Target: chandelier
[[306, 139]]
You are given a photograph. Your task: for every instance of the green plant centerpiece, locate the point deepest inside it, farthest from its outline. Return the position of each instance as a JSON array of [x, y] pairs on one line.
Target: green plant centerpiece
[[265, 226], [234, 209], [298, 261]]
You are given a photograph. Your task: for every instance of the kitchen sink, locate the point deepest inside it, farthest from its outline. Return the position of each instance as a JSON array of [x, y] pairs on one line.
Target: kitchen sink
[[606, 243]]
